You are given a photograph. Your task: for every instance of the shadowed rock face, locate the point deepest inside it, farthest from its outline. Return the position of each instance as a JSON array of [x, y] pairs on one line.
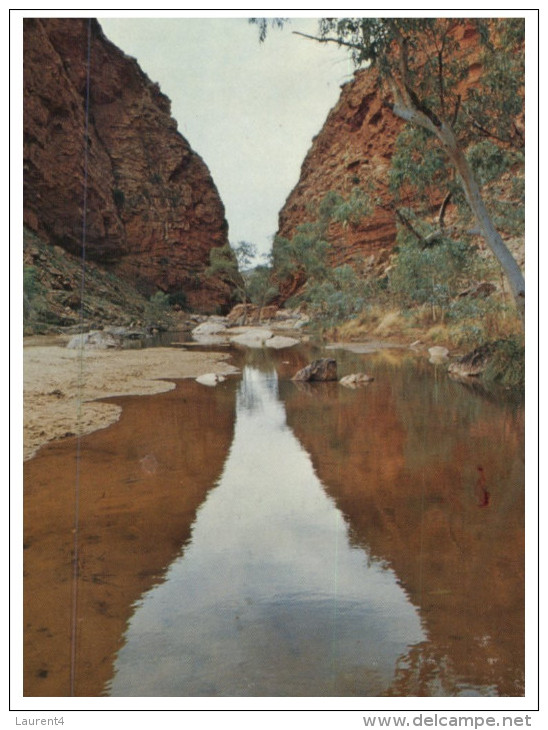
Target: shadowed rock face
[[153, 211]]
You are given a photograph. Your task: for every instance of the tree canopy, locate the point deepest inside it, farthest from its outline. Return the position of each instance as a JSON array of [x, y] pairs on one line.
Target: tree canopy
[[424, 62]]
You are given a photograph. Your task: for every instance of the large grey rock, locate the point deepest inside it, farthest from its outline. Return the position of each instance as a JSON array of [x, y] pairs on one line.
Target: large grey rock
[[279, 342], [211, 332], [437, 351], [290, 319], [438, 355]]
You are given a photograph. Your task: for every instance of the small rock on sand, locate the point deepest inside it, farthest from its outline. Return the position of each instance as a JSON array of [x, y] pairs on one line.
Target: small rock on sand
[[210, 379]]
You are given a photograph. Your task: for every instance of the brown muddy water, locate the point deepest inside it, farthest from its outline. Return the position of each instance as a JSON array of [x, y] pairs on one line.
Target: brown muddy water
[[268, 538]]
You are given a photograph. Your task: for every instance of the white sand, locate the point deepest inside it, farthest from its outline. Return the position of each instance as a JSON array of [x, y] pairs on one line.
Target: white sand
[[59, 385]]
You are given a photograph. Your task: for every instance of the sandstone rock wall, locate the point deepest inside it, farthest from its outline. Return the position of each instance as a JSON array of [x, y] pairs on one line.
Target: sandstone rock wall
[[353, 149], [153, 211]]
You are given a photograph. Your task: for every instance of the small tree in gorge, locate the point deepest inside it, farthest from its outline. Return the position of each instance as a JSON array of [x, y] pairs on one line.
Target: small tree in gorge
[[421, 71], [261, 289], [230, 264]]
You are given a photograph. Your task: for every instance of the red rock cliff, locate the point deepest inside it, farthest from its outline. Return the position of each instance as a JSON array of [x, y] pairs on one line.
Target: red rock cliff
[[153, 211], [353, 149]]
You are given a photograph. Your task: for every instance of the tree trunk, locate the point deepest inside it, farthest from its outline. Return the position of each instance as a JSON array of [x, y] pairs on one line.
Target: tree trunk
[[492, 238], [490, 234]]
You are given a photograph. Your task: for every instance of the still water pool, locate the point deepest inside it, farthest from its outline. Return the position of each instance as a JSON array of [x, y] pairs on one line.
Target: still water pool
[[264, 538]]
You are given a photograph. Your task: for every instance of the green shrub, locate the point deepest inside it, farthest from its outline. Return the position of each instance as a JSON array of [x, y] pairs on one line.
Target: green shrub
[[431, 274], [340, 295], [30, 284], [178, 298], [157, 309], [260, 287], [33, 295], [507, 363]]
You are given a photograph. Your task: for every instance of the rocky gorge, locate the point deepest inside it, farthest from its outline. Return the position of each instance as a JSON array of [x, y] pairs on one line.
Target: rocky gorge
[[359, 477], [153, 212]]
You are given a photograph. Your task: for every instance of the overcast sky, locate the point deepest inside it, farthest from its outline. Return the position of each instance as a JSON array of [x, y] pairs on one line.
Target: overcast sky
[[249, 109]]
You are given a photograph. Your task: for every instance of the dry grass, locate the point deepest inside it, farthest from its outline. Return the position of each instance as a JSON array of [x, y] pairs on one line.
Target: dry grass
[[419, 324], [392, 322]]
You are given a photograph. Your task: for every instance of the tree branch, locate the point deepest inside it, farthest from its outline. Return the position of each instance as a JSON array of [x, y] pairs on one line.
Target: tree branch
[[338, 41], [443, 208], [442, 231], [486, 132], [405, 86], [407, 105], [456, 111], [410, 113], [417, 103], [440, 81], [409, 227]]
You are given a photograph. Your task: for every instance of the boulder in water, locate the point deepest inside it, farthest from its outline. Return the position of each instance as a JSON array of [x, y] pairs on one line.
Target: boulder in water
[[356, 379], [473, 363], [322, 370], [210, 332], [252, 337], [438, 355]]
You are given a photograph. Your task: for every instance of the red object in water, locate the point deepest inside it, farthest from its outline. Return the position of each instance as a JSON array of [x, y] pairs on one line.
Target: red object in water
[[481, 491]]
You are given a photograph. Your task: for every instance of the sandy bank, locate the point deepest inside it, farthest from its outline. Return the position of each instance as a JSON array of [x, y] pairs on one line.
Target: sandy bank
[[60, 385]]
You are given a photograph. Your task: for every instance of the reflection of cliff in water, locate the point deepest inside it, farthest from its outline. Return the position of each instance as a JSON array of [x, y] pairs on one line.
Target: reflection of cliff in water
[[141, 482], [400, 458], [268, 598]]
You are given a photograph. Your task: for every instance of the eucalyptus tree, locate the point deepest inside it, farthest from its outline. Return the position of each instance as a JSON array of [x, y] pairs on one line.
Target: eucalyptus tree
[[424, 79]]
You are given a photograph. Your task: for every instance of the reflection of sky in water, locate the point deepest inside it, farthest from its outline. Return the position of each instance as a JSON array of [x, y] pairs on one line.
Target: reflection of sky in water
[[268, 598]]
